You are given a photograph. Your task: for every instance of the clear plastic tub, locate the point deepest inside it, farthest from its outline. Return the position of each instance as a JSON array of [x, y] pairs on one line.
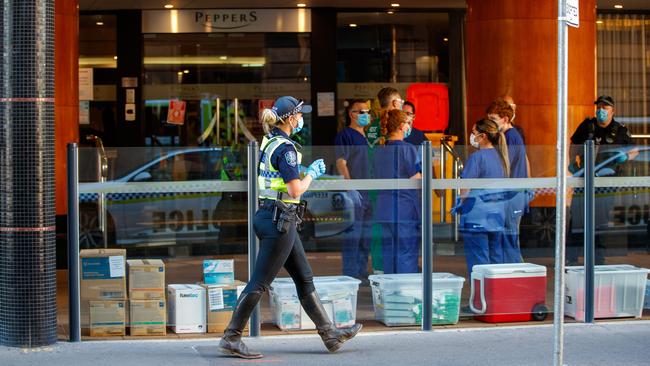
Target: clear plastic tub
[[397, 298], [619, 291], [337, 293]]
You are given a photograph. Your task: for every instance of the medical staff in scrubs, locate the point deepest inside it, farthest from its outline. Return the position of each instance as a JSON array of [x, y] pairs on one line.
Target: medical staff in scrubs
[[482, 211], [351, 147], [501, 112], [398, 211]]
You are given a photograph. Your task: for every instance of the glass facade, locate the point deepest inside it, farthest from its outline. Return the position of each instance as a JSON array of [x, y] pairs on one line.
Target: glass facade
[[190, 197]]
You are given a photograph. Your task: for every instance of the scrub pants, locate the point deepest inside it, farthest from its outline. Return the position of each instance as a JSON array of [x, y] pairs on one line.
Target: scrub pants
[[356, 245], [483, 247], [401, 247], [278, 250], [511, 248]]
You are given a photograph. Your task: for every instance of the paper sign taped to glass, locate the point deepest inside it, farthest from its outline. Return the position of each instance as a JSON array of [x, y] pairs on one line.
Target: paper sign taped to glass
[[176, 112]]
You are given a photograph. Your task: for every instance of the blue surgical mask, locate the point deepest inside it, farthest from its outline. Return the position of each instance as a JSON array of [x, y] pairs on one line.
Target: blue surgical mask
[[408, 132], [298, 128], [601, 114], [363, 119]]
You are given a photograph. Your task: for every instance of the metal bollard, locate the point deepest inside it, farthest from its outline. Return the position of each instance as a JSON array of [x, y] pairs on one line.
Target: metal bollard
[[253, 242], [74, 311], [589, 229], [427, 235]]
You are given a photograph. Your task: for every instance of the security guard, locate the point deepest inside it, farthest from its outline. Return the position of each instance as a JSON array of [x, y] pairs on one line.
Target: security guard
[[608, 134], [276, 224]]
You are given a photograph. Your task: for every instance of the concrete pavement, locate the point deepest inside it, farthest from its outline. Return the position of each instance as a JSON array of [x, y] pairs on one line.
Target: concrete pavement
[[615, 343]]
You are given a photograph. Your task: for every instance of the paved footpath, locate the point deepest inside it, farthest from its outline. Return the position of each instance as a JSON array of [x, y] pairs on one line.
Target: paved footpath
[[616, 343]]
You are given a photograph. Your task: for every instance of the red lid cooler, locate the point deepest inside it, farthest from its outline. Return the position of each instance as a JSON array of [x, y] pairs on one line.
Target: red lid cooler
[[512, 292]]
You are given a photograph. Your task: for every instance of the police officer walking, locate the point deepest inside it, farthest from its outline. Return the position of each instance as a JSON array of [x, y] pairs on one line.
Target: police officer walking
[[276, 222], [604, 130]]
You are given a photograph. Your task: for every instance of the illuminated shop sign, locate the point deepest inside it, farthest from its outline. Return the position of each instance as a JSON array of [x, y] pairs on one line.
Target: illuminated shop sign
[[226, 20]]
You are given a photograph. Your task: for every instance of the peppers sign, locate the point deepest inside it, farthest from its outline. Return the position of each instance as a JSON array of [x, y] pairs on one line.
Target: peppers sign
[[572, 12], [176, 112]]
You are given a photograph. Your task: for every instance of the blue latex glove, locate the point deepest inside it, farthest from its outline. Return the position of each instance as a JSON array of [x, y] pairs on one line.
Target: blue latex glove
[[355, 196], [316, 169], [620, 158]]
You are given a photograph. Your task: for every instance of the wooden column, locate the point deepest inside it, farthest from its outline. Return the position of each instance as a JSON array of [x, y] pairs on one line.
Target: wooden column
[[66, 91], [512, 49]]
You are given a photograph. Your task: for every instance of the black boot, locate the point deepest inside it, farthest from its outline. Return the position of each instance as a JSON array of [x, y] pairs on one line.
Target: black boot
[[332, 336], [231, 343]]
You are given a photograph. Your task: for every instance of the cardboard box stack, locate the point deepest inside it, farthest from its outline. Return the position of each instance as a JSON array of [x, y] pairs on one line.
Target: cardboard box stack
[[148, 315], [222, 292], [103, 281]]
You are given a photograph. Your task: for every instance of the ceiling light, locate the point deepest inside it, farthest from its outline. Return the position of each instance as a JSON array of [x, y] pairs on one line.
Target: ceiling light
[[169, 6], [186, 71], [180, 73], [390, 12], [100, 23], [395, 5], [446, 39], [352, 25], [223, 57], [114, 57], [618, 6], [301, 5], [599, 22]]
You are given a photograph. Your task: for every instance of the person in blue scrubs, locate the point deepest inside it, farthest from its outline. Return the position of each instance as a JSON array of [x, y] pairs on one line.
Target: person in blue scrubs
[[501, 112], [483, 210], [351, 148], [398, 211]]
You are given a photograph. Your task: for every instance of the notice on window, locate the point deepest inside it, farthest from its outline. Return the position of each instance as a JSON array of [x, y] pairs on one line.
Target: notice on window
[[84, 112], [325, 102], [86, 84], [176, 112], [116, 266]]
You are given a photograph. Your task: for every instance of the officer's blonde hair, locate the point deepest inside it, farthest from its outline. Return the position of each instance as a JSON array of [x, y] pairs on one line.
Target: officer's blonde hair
[[270, 120]]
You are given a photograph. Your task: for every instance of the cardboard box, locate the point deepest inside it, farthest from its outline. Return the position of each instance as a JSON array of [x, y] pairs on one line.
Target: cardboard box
[[102, 277], [107, 318], [148, 317], [220, 304], [186, 308], [219, 271], [146, 279]]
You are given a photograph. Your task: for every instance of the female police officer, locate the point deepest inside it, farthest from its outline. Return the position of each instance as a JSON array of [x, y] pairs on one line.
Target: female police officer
[[280, 245]]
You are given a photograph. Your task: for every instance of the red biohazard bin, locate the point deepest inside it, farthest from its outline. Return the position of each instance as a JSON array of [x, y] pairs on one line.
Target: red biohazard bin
[[512, 292], [431, 101]]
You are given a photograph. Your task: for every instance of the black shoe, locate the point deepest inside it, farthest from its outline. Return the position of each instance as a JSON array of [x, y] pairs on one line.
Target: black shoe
[[231, 343], [332, 337]]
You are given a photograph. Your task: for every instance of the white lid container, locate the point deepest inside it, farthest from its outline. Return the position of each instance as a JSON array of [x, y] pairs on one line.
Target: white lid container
[[618, 291], [509, 270], [414, 281]]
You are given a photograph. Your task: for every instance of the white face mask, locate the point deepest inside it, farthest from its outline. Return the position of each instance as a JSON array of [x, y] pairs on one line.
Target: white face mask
[[473, 142]]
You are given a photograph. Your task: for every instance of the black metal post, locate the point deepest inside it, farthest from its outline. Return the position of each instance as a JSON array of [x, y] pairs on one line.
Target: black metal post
[[589, 229], [427, 235], [74, 311], [253, 243]]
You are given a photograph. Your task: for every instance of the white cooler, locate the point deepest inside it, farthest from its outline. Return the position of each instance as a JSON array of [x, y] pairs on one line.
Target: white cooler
[[619, 291], [337, 293]]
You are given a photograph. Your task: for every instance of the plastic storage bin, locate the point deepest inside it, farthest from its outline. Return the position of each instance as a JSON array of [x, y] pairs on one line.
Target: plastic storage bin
[[397, 298], [337, 293], [512, 292], [619, 291]]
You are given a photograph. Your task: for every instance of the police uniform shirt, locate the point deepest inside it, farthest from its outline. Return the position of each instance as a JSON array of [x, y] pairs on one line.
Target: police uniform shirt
[[614, 134], [285, 158]]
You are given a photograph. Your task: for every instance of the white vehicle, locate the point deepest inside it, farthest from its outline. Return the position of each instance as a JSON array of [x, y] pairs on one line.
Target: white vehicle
[[166, 218]]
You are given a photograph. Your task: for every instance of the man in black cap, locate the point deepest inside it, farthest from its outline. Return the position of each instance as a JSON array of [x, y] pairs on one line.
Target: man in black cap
[[609, 137]]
